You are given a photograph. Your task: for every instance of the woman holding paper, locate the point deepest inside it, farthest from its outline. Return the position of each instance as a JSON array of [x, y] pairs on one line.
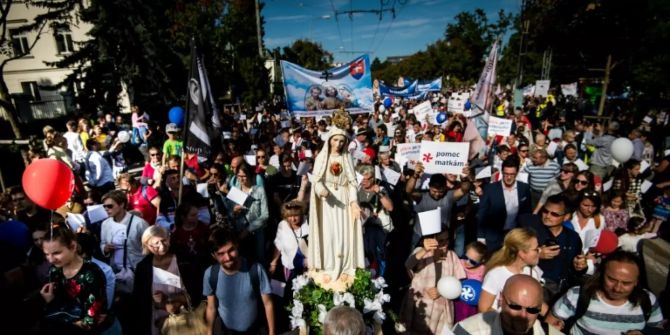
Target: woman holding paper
[[247, 207], [336, 245], [162, 283]]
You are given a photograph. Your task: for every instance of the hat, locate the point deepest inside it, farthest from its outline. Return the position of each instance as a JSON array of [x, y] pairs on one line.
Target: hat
[[171, 128], [370, 152], [607, 243], [362, 131]]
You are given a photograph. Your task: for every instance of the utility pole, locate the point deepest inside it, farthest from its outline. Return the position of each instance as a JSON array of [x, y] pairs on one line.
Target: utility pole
[[258, 29], [525, 23], [603, 95]]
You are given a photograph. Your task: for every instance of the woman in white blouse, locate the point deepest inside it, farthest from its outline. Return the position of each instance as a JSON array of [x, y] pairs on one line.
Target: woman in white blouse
[[291, 242]]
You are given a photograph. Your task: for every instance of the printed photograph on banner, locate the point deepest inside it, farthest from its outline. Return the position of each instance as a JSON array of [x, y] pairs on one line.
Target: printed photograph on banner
[[542, 88], [444, 157], [312, 93]]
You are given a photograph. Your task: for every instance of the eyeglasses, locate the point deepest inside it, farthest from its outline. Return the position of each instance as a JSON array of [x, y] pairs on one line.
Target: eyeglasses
[[242, 176], [554, 214], [582, 182], [108, 206], [529, 310], [471, 261]]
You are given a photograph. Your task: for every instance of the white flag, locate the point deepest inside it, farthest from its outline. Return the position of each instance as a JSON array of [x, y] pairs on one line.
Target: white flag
[[569, 89], [480, 98]]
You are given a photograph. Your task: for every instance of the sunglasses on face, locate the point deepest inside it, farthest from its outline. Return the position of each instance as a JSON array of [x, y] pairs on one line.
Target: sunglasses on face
[[529, 310], [471, 261], [554, 214], [566, 171]]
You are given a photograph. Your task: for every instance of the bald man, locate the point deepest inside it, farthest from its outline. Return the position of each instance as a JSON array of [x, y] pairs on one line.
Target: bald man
[[521, 305]]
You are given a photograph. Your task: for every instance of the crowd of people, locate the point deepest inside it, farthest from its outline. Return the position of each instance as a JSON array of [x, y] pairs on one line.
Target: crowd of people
[[169, 239]]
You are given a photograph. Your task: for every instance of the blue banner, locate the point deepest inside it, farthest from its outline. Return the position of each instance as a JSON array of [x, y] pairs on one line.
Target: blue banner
[[434, 85], [404, 92], [310, 93]]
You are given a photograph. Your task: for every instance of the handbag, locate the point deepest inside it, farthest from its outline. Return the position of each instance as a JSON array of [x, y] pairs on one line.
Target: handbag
[[125, 278]]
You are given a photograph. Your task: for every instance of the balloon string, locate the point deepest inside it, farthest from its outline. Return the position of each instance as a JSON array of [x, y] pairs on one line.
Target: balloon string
[[52, 225]]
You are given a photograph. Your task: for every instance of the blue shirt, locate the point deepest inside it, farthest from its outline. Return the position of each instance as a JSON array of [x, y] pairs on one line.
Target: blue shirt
[[237, 300]]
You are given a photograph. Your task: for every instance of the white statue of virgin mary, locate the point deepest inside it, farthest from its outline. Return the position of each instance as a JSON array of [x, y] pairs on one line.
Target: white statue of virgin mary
[[336, 234]]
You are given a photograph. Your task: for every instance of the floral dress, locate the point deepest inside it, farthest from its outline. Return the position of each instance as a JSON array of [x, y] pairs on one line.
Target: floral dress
[[80, 298]]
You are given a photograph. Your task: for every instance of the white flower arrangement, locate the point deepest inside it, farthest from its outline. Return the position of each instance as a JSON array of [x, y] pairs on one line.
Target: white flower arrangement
[[311, 301]]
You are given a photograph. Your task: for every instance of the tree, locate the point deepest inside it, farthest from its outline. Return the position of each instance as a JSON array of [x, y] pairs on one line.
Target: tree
[[308, 54], [128, 46], [56, 12], [460, 54]]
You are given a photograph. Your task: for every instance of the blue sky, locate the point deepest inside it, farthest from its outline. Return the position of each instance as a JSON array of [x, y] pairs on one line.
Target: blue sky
[[417, 24]]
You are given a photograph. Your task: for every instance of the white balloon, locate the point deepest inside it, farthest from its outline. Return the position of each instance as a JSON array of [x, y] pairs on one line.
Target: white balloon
[[449, 287], [382, 109], [622, 149], [123, 136]]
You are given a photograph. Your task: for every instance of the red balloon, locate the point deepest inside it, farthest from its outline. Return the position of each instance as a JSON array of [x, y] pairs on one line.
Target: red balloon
[[48, 183]]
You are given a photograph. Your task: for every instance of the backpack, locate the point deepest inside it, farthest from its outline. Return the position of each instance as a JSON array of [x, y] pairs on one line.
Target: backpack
[[255, 284], [583, 305]]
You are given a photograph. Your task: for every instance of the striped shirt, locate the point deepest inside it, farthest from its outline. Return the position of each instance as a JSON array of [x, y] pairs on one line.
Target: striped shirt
[[603, 318], [539, 176]]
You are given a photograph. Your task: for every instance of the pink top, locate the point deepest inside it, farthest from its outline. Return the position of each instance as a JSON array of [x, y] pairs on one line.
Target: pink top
[[473, 273], [138, 121]]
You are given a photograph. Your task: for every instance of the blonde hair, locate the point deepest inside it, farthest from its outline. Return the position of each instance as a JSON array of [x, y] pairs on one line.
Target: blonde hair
[[516, 240], [151, 232], [292, 208]]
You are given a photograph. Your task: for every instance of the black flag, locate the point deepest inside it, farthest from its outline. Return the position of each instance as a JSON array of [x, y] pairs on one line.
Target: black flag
[[202, 123]]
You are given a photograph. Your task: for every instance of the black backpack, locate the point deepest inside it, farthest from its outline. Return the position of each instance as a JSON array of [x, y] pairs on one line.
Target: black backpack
[[255, 284]]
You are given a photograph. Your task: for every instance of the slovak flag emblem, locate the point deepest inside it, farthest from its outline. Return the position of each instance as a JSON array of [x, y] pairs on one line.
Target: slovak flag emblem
[[357, 69]]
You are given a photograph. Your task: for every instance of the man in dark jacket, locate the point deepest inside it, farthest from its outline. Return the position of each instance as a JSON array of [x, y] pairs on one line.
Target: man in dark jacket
[[501, 205]]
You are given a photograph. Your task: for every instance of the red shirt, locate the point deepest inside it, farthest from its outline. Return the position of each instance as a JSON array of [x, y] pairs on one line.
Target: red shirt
[[138, 202]]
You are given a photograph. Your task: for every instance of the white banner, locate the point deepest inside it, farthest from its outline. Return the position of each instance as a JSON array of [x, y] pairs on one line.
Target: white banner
[[444, 157], [499, 126], [542, 88], [529, 91], [456, 103], [569, 89]]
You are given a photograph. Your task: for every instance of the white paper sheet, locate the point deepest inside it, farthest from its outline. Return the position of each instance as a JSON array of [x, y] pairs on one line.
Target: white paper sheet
[[75, 221], [250, 159], [430, 221], [643, 166], [378, 173], [392, 177], [359, 178], [202, 189], [646, 185], [237, 196], [308, 153], [581, 165], [522, 177], [303, 168], [551, 148], [608, 185], [484, 172], [96, 213], [166, 278]]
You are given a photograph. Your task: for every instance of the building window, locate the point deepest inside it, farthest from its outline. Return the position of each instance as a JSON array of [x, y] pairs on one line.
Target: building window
[[64, 42], [20, 43], [30, 88]]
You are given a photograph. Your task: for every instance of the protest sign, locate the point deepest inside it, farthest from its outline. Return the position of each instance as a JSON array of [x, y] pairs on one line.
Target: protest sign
[[569, 89], [407, 153], [391, 176], [430, 221], [444, 157], [542, 88], [422, 110], [499, 126]]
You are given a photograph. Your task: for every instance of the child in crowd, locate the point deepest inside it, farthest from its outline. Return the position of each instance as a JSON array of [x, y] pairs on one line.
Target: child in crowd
[[616, 216], [424, 311], [638, 230], [173, 145], [473, 263]]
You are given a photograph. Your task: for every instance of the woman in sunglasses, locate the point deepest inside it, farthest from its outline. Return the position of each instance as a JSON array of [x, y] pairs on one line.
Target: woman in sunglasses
[[520, 254], [582, 182]]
